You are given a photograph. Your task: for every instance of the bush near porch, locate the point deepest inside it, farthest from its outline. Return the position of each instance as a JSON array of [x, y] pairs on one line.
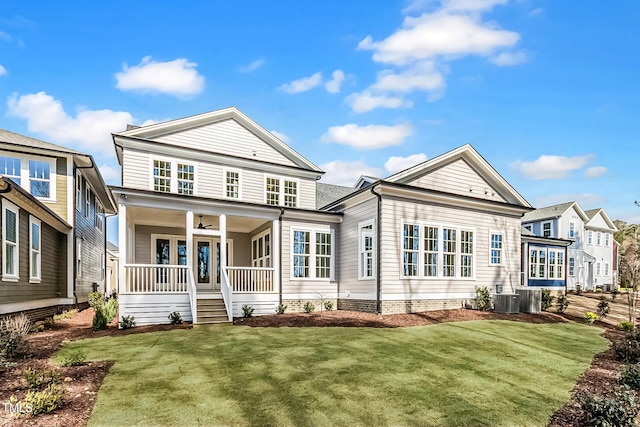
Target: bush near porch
[[466, 373]]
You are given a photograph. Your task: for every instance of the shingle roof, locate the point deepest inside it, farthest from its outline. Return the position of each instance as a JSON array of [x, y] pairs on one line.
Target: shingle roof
[[526, 232], [27, 141], [111, 247], [328, 193], [548, 212], [592, 212]]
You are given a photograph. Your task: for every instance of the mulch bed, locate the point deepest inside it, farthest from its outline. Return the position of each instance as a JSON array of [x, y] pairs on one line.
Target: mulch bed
[[83, 382]]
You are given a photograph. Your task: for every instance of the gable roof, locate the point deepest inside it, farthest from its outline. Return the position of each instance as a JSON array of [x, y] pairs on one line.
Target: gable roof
[[592, 213], [364, 181], [328, 193], [26, 141], [158, 129], [553, 211], [475, 160]]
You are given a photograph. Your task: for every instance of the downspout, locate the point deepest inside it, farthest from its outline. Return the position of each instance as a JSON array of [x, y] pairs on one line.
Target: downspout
[[280, 255], [378, 252]]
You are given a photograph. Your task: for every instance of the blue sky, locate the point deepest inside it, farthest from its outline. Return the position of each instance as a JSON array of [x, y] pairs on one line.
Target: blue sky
[[547, 91]]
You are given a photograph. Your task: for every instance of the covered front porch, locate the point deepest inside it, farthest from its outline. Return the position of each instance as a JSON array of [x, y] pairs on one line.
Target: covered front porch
[[203, 258]]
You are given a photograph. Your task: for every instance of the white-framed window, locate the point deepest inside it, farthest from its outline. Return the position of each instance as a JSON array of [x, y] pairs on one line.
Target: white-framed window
[[87, 200], [607, 239], [232, 184], [537, 263], [162, 176], [261, 249], [546, 229], [78, 191], [496, 248], [572, 230], [431, 251], [99, 216], [10, 240], [366, 239], [40, 178], [186, 178], [78, 257], [312, 254], [598, 271], [281, 191], [559, 264], [35, 239], [589, 237], [598, 238], [548, 263], [606, 268], [572, 266], [10, 167]]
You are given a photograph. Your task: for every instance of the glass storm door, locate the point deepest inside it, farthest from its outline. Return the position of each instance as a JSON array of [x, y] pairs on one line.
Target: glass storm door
[[203, 260]]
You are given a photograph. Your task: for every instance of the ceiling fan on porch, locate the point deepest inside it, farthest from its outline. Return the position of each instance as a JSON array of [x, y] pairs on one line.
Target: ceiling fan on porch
[[203, 227]]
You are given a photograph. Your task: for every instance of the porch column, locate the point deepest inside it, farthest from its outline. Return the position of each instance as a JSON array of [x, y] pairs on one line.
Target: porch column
[[223, 243], [123, 247], [189, 227], [275, 251]]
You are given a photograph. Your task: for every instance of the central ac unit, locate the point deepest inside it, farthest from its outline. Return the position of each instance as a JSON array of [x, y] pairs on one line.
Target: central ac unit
[[530, 300], [507, 303]]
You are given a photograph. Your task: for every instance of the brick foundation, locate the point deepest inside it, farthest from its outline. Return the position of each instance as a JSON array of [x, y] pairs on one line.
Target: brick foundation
[[297, 305], [366, 306], [416, 306]]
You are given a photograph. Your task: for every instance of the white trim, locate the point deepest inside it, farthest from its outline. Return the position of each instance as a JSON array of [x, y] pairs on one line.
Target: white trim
[[87, 199], [266, 259], [35, 278], [428, 296], [528, 226], [78, 257], [500, 250], [7, 205], [173, 246], [225, 170], [173, 178], [361, 232], [78, 182], [312, 254], [98, 213], [281, 194], [25, 180], [16, 307]]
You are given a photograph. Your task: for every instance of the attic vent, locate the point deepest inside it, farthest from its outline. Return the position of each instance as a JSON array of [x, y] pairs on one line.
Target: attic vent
[[131, 127]]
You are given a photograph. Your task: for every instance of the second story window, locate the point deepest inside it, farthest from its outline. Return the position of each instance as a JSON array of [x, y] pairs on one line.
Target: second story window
[[290, 193], [10, 167], [273, 191], [598, 238], [546, 229], [281, 191], [78, 192], [589, 237], [87, 200], [39, 178], [185, 179], [607, 236], [232, 184], [161, 176], [99, 216], [572, 230]]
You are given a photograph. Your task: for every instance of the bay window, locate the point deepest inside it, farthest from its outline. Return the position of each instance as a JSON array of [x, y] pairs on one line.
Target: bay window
[[548, 263]]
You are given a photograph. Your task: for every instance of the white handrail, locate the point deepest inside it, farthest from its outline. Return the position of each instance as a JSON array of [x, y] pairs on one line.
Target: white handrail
[[227, 293], [155, 278], [252, 279], [192, 297]]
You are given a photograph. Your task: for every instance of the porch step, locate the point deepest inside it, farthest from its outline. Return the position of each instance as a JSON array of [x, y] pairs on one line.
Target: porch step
[[212, 311]]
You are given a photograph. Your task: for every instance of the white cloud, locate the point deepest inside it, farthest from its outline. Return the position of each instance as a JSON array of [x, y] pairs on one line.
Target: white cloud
[[281, 136], [537, 11], [396, 163], [3, 71], [90, 130], [333, 85], [367, 137], [471, 5], [5, 37], [422, 76], [585, 200], [551, 166], [595, 172], [509, 58], [304, 84], [178, 77], [344, 173], [252, 66], [110, 175], [366, 101]]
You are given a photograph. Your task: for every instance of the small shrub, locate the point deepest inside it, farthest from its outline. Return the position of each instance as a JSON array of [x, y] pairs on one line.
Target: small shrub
[[40, 402], [547, 299], [175, 318], [309, 307], [630, 376], [328, 305], [127, 322], [96, 299], [598, 290], [38, 378], [614, 293], [247, 311], [281, 308], [590, 317], [483, 298], [562, 303], [626, 326], [113, 295], [67, 314], [619, 409], [13, 330], [73, 358], [628, 349], [37, 327], [104, 310], [603, 307]]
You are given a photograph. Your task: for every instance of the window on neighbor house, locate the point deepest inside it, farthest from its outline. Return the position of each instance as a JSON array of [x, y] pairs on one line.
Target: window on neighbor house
[[606, 268], [34, 258], [598, 268], [572, 230], [232, 184], [546, 229], [589, 237], [10, 167], [560, 265], [598, 238], [39, 178], [79, 257], [430, 251], [78, 192], [607, 239], [572, 266], [365, 259], [162, 176], [305, 254], [280, 191], [551, 268], [10, 241], [538, 263], [496, 249], [87, 200], [185, 179], [99, 216]]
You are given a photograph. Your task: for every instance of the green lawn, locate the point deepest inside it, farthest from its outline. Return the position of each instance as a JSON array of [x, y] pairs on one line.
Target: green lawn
[[453, 374]]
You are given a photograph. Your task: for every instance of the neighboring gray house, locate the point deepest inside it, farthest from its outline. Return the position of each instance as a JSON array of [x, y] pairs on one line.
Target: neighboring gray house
[[54, 253], [590, 257], [215, 212]]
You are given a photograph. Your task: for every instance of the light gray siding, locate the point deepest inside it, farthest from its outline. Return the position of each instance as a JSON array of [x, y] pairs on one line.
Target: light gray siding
[[458, 177], [394, 211]]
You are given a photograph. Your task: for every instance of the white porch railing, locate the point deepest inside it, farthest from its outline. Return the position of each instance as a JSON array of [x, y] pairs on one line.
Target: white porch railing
[[251, 279], [227, 293], [155, 278], [191, 286]]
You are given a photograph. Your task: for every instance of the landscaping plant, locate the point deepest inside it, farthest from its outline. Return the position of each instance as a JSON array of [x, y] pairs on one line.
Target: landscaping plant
[[625, 326], [630, 376], [547, 299], [483, 298], [247, 311], [13, 331], [281, 308], [73, 358], [175, 318], [127, 322], [619, 409], [40, 402], [562, 304], [38, 378], [603, 307], [104, 310], [328, 305], [309, 307], [590, 316], [628, 349]]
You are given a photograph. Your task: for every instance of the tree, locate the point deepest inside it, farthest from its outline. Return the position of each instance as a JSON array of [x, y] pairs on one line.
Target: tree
[[629, 266]]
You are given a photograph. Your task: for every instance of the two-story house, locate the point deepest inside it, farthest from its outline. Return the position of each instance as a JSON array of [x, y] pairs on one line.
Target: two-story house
[[590, 258], [54, 203], [216, 213]]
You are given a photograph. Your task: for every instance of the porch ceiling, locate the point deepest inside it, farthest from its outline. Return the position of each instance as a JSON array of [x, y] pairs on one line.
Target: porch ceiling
[[171, 218]]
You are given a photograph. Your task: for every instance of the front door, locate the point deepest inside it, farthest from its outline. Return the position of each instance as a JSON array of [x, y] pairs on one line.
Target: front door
[[204, 260]]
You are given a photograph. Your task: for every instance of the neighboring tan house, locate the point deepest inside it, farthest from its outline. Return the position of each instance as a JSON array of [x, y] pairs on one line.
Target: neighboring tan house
[[54, 203], [112, 268], [590, 257], [215, 213], [544, 262]]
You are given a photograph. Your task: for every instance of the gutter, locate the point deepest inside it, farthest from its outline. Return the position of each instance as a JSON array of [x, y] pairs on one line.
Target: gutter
[[280, 256], [378, 252]]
